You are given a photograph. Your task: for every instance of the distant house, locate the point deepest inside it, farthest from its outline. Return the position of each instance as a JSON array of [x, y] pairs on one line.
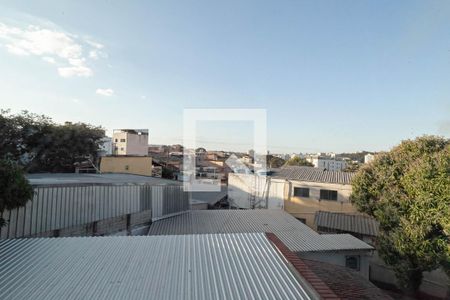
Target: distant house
[[130, 142], [300, 191], [329, 163], [368, 158]]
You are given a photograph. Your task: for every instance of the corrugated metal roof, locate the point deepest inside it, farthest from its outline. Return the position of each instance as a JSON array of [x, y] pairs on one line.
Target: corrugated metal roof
[[216, 266], [346, 222], [69, 179], [313, 175], [295, 235]]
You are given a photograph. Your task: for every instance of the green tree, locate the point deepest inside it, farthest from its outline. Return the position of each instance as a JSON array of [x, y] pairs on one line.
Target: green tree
[[68, 144], [23, 136], [15, 189], [298, 161], [274, 161], [40, 145], [408, 191], [352, 167]]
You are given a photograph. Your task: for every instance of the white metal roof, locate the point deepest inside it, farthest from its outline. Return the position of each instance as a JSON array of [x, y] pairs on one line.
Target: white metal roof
[[212, 266], [294, 234]]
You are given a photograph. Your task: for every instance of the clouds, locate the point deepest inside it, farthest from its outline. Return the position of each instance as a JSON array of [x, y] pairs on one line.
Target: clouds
[[69, 53], [105, 92]]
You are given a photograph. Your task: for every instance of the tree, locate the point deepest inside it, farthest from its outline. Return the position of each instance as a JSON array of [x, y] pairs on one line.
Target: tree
[[68, 144], [274, 161], [15, 189], [23, 136], [39, 145], [408, 191], [298, 161], [352, 166]]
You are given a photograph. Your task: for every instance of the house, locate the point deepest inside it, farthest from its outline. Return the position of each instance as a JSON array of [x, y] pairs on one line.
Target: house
[[300, 191], [130, 142], [339, 249], [329, 163]]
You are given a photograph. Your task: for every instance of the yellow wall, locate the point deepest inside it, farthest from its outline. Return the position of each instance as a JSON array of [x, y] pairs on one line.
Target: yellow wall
[[138, 165], [306, 208]]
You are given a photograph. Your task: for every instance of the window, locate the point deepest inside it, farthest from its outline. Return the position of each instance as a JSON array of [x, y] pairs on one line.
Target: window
[[328, 195], [121, 149], [127, 167], [352, 262], [116, 140], [122, 140], [301, 192]]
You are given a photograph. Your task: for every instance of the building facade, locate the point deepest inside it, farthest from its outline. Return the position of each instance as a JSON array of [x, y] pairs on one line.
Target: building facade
[[130, 142], [328, 163], [137, 165], [300, 191]]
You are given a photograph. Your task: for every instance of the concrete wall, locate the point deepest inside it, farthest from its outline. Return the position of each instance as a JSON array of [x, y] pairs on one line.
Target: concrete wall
[[133, 144], [268, 192], [339, 257], [138, 165], [305, 208]]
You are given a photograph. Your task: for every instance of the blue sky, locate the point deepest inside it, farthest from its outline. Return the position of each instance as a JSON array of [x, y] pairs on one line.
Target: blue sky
[[333, 75]]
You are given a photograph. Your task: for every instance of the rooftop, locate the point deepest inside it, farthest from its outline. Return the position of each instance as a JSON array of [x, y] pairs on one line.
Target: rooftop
[[313, 174], [294, 234], [213, 266], [346, 283], [55, 179], [360, 224], [211, 197]]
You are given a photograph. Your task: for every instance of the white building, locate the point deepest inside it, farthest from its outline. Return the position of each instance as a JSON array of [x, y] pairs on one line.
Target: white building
[[105, 146], [329, 163], [130, 142], [368, 158]]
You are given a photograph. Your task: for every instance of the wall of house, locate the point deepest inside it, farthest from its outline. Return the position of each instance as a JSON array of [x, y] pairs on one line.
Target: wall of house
[[134, 144], [137, 144], [306, 207], [138, 165], [268, 192], [339, 258]]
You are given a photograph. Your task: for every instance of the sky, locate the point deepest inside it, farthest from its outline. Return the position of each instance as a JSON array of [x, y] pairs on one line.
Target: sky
[[333, 76]]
